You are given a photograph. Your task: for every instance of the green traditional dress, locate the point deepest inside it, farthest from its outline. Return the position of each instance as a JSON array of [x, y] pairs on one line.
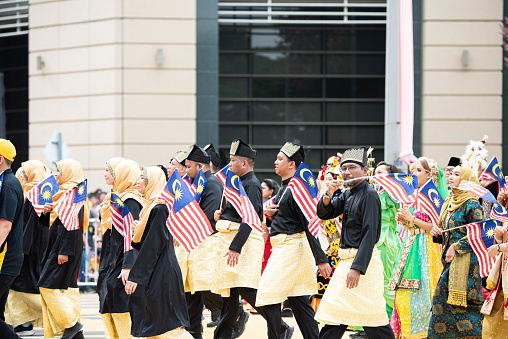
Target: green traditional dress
[[458, 298], [389, 245]]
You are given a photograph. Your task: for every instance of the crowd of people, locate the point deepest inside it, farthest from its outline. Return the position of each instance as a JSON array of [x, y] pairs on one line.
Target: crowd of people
[[381, 267]]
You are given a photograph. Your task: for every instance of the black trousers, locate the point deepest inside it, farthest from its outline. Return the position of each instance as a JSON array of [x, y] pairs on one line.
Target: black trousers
[[212, 301], [304, 316], [5, 284], [334, 332], [230, 312], [195, 309]]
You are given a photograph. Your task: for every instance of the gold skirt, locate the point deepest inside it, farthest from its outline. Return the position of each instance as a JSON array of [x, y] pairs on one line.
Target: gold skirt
[[118, 325], [494, 326], [363, 305], [290, 272], [247, 271], [61, 309], [177, 333], [182, 256], [22, 308], [200, 265]]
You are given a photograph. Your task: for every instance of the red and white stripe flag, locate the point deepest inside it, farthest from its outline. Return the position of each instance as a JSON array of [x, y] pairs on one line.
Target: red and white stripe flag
[[122, 220], [481, 237], [70, 205]]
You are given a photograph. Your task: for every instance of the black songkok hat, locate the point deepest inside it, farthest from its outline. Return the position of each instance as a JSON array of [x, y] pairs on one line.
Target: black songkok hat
[[454, 162], [240, 148], [294, 152], [357, 155], [214, 155], [180, 156], [194, 153]]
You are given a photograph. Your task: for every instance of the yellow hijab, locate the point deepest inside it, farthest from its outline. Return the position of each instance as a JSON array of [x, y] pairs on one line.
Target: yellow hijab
[[156, 180], [19, 175], [127, 173], [34, 172], [458, 197], [71, 175], [106, 214]]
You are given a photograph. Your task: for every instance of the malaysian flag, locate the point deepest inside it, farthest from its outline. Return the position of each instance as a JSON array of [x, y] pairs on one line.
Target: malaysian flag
[[188, 183], [42, 194], [235, 194], [498, 212], [267, 203], [481, 237], [399, 186], [186, 221], [70, 205], [339, 226], [493, 172], [199, 185], [430, 201], [221, 175], [305, 191], [121, 219]]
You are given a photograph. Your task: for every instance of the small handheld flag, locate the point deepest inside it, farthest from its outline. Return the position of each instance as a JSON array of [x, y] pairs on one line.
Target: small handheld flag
[[42, 193], [122, 220], [72, 202], [481, 237], [498, 211], [430, 201], [186, 221], [493, 172], [399, 186], [235, 194], [188, 182], [267, 203], [221, 175], [199, 185]]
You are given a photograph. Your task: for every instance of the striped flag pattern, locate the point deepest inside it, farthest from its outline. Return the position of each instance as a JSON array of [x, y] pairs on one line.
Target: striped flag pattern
[[267, 203], [122, 220], [399, 186], [187, 181], [493, 172], [430, 201], [42, 193], [221, 175], [481, 237], [235, 194], [338, 225], [186, 221], [498, 211], [72, 202]]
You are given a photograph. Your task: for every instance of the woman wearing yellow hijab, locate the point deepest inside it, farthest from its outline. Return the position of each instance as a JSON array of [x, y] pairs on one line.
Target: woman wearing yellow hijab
[[58, 283], [157, 300], [24, 301], [458, 297], [116, 264]]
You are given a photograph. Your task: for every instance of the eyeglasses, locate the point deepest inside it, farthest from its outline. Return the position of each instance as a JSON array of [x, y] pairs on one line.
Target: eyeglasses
[[349, 168]]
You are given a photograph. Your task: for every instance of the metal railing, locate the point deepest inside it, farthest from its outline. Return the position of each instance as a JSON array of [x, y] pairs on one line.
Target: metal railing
[[13, 17], [310, 13], [89, 269]]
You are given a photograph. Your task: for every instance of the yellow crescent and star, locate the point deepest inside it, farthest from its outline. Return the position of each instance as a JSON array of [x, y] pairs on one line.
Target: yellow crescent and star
[[310, 179], [177, 190], [201, 185], [408, 179], [119, 202], [81, 189], [500, 210], [46, 195], [233, 182], [498, 174], [434, 197]]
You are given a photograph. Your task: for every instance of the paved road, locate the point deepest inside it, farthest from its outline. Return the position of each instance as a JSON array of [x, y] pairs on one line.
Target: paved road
[[256, 327]]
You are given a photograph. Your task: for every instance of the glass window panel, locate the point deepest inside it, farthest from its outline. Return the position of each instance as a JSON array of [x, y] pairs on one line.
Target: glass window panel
[[355, 64], [228, 133], [355, 111], [263, 174], [305, 88], [355, 135], [267, 38], [313, 159], [285, 39], [265, 159], [234, 63], [355, 88], [287, 88], [268, 88], [286, 111], [234, 39], [269, 63], [283, 63], [356, 40], [304, 64], [233, 87], [233, 111], [278, 135], [16, 121]]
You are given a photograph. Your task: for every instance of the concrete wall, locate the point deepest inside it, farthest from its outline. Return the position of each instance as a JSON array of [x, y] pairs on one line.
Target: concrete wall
[[101, 86], [461, 103]]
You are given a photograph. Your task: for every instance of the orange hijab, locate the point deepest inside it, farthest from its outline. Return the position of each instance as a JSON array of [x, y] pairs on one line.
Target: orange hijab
[[34, 172], [106, 214]]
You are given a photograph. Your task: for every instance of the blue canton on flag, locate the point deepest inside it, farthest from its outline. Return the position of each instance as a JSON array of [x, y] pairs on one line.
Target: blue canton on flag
[[399, 186], [199, 184], [42, 193], [122, 220], [430, 201], [493, 172], [221, 175]]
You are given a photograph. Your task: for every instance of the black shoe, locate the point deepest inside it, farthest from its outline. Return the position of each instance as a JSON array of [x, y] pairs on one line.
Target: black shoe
[[239, 327], [288, 333], [358, 335], [215, 318], [286, 313], [71, 332], [79, 335], [23, 330]]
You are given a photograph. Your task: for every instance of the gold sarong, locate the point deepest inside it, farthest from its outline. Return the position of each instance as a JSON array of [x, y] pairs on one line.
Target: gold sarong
[[290, 271], [182, 256], [177, 333], [363, 305], [61, 309], [200, 265], [247, 271], [118, 325], [22, 308]]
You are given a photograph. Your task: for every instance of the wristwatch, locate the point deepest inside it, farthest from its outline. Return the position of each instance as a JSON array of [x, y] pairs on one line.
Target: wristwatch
[[498, 249]]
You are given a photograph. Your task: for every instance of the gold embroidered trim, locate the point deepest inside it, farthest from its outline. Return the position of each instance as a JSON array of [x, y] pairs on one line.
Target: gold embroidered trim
[[234, 147], [392, 285], [289, 149]]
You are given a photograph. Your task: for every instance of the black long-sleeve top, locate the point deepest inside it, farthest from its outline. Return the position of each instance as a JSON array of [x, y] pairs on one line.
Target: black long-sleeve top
[[361, 221], [252, 187], [210, 199], [290, 220]]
